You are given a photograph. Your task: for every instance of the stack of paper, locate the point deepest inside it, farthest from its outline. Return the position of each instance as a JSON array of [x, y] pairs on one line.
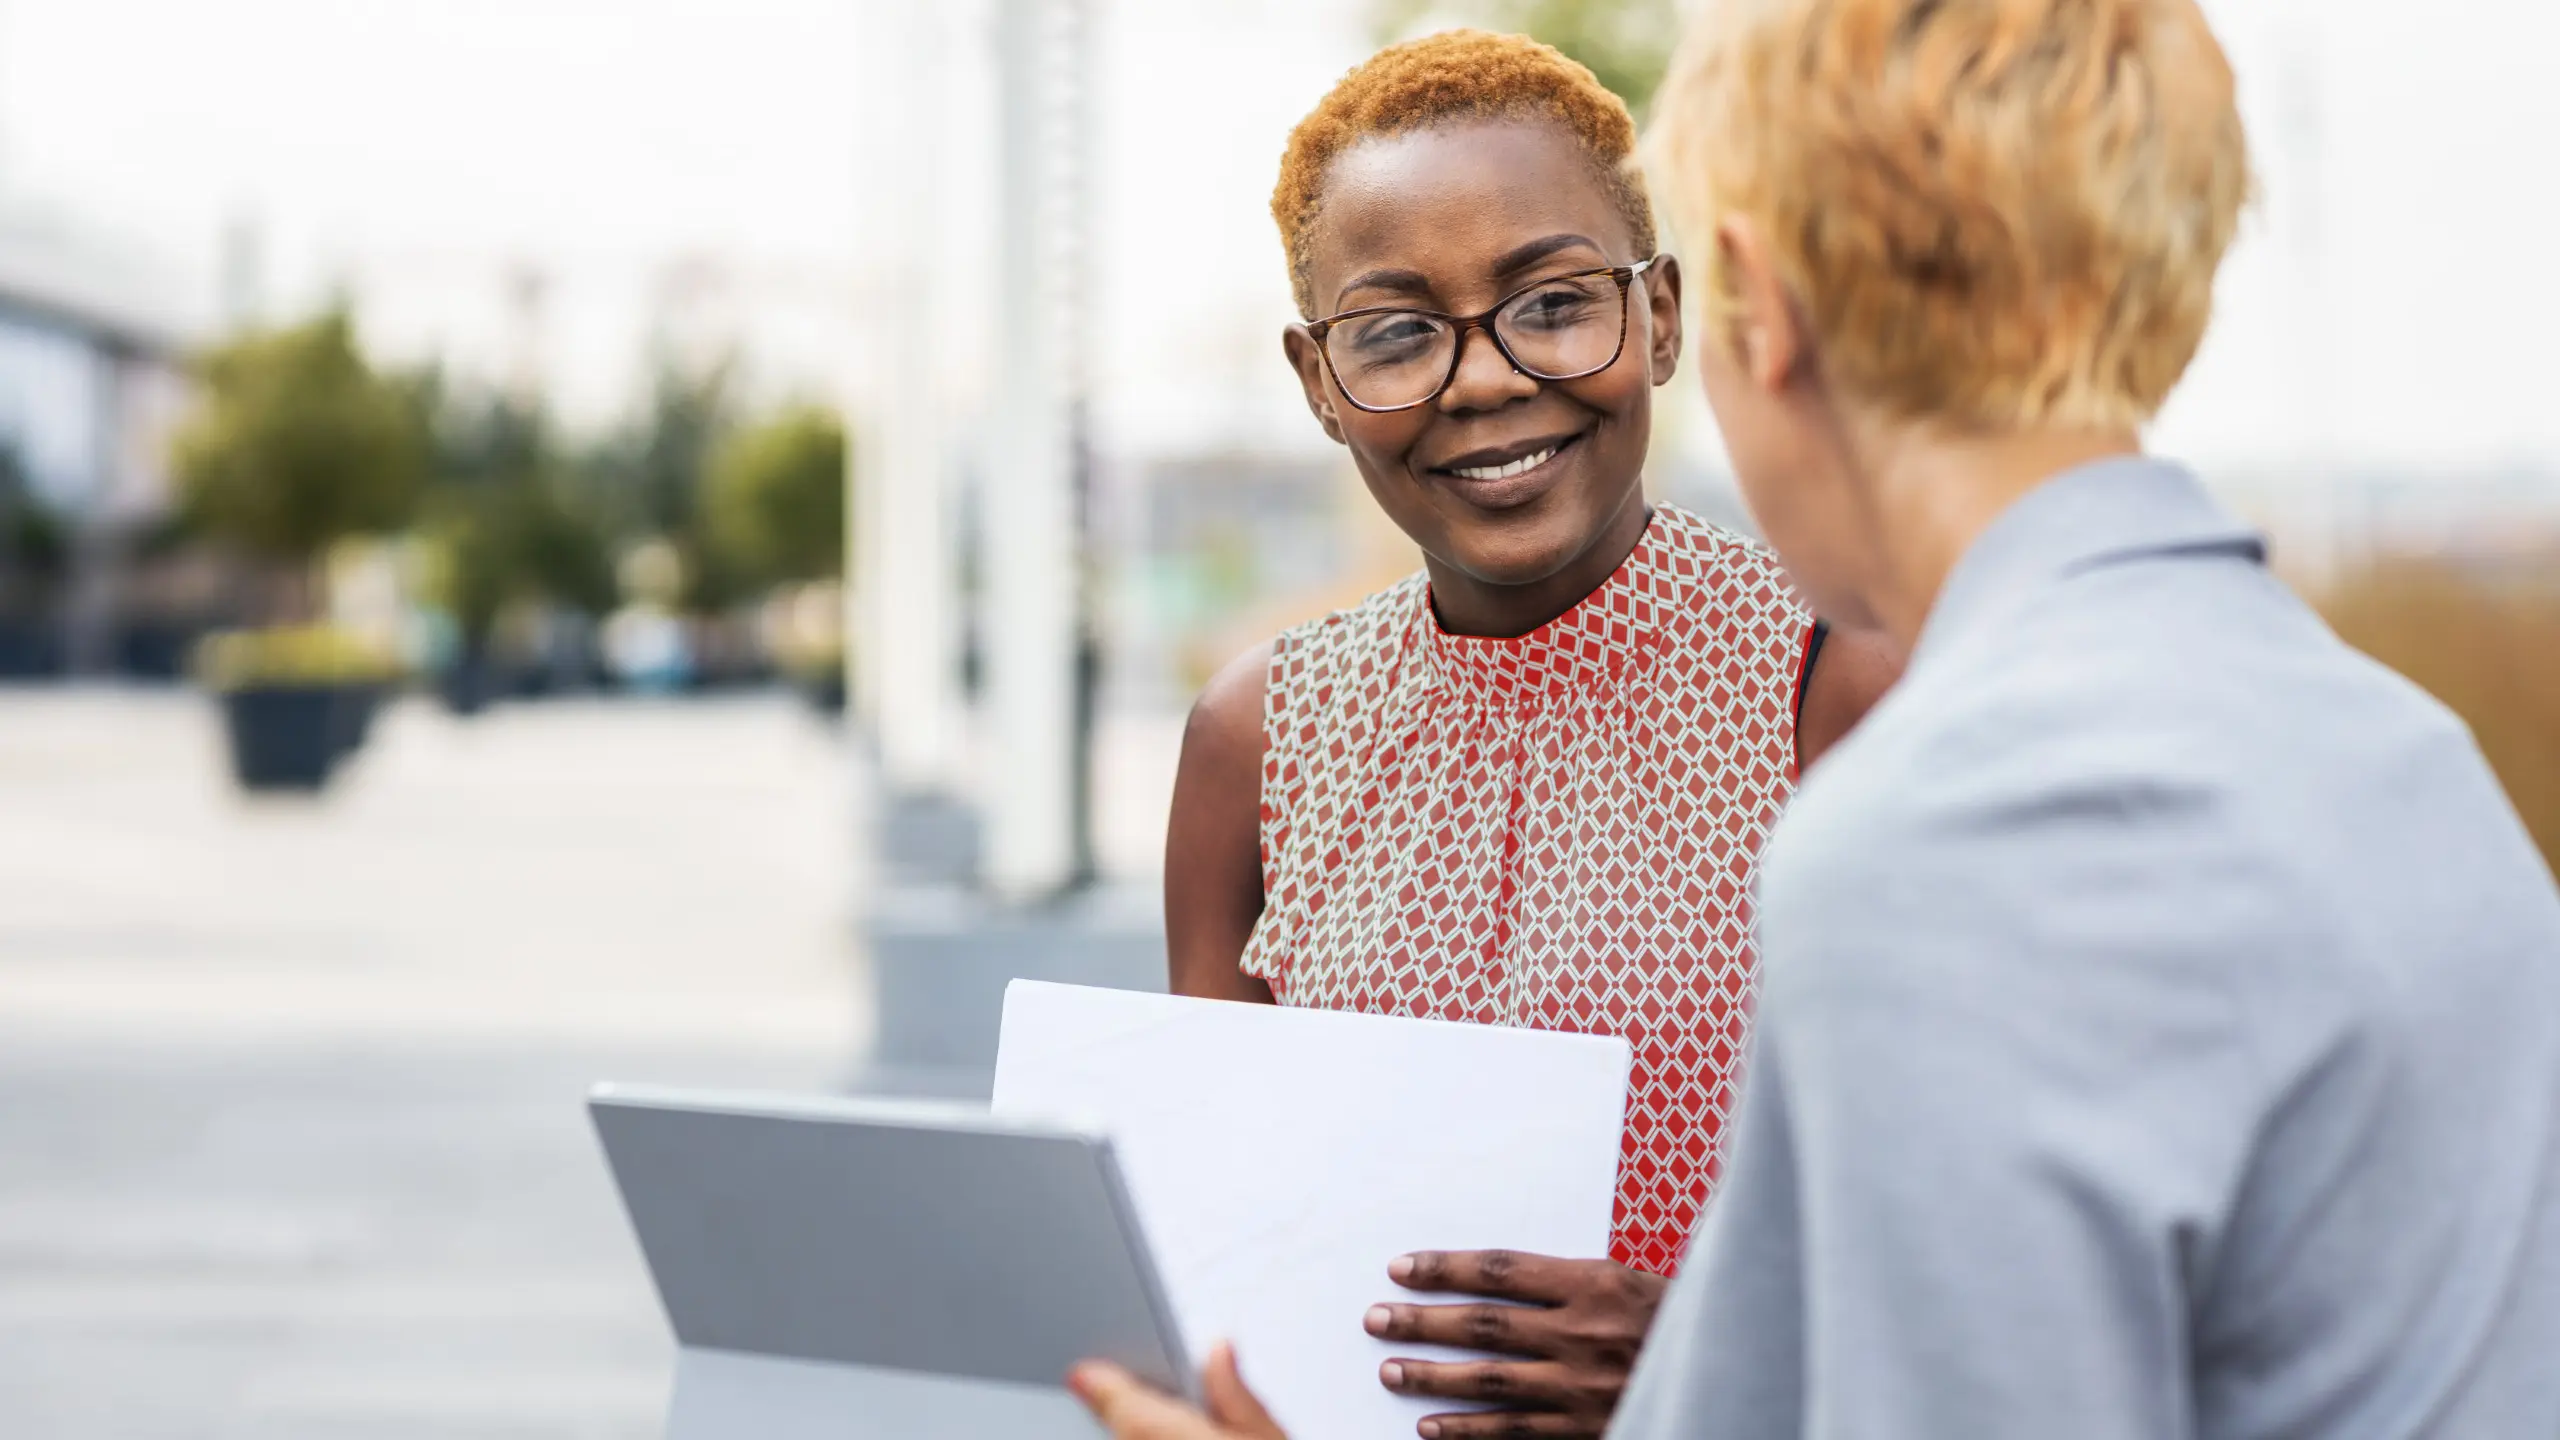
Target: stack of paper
[[1281, 1158]]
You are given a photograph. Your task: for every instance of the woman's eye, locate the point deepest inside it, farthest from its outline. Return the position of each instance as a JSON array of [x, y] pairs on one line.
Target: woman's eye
[[1554, 307], [1395, 332]]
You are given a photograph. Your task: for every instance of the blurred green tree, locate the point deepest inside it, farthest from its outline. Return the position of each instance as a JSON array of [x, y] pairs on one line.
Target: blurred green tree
[[648, 478], [1627, 43], [297, 443], [503, 521], [774, 512], [649, 481]]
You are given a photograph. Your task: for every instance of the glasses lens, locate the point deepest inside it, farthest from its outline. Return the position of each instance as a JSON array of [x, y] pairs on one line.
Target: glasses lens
[[1395, 357], [1565, 327]]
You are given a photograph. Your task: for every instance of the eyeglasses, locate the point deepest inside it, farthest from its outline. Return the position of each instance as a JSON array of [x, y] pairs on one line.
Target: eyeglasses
[[1391, 358]]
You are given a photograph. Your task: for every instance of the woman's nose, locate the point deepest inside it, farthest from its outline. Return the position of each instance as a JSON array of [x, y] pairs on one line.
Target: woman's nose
[[1485, 379]]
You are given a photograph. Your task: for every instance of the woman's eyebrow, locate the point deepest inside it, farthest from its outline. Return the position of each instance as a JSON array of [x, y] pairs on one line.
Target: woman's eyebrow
[[1521, 257], [1512, 262], [1411, 282]]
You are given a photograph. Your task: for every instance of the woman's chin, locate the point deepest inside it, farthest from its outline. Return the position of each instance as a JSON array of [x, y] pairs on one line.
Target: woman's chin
[[1514, 555]]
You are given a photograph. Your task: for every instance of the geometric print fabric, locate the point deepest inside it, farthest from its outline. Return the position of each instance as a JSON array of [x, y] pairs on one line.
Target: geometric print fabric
[[1556, 831]]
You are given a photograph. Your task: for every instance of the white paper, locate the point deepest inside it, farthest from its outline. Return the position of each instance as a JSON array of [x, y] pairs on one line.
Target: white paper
[[1280, 1158]]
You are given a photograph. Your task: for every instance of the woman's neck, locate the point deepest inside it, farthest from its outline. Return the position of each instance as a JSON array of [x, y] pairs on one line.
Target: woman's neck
[[1930, 495], [1466, 605]]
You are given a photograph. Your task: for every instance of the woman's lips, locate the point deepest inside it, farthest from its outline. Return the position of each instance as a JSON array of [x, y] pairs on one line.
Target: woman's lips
[[1504, 487]]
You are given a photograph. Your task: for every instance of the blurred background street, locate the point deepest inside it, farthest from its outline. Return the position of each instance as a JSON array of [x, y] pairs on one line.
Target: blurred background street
[[291, 1137]]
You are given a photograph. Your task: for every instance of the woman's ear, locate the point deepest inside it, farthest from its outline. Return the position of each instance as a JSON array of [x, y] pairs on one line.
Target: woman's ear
[[1661, 287], [1307, 358], [1768, 339]]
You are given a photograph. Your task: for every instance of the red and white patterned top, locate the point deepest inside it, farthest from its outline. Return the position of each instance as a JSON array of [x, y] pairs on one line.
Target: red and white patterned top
[[1555, 831]]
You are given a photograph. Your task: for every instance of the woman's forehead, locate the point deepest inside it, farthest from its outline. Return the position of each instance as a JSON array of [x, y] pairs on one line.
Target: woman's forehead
[[1449, 202]]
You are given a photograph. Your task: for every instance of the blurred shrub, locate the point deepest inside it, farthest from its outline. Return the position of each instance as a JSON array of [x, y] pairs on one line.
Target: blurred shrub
[[2489, 648], [292, 655]]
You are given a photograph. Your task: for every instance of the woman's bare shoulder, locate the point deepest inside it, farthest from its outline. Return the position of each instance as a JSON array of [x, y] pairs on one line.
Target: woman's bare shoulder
[[1854, 670], [1226, 721], [1213, 847]]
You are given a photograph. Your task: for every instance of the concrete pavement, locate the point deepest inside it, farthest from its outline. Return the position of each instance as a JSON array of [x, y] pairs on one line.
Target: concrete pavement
[[290, 1141]]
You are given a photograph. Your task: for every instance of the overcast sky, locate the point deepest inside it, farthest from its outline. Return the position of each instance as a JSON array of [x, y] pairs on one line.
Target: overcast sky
[[2396, 304]]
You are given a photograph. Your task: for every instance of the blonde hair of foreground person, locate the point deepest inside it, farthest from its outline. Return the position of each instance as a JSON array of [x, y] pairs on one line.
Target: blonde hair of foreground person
[[1996, 214]]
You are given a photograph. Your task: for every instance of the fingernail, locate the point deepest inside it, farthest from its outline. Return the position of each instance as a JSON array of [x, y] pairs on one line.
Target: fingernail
[[1430, 1429], [1378, 1319], [1391, 1375], [1400, 1268]]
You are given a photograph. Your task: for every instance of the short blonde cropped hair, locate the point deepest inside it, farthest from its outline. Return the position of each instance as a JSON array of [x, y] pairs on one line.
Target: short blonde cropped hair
[[1451, 78], [1996, 213]]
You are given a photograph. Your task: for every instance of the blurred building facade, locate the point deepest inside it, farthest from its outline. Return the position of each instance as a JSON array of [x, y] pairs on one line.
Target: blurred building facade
[[89, 345], [91, 385]]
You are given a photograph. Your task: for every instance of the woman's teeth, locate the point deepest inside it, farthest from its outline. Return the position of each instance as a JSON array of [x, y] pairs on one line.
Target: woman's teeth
[[1521, 466]]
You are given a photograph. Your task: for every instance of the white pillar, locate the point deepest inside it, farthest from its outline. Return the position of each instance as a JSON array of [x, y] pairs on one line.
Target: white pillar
[[903, 600], [1034, 840]]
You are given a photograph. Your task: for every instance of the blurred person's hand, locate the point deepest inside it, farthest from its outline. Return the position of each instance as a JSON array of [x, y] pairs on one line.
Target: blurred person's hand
[[1132, 1411], [1575, 1324]]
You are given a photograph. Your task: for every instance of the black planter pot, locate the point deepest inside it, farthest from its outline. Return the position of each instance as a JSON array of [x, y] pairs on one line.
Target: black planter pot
[[357, 705], [286, 737]]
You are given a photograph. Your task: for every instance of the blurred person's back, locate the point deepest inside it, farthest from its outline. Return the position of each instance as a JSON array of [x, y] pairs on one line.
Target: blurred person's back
[[2212, 990], [2370, 1234], [2389, 1261]]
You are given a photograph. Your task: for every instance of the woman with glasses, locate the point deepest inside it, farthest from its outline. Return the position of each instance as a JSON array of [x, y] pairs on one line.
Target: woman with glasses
[[1528, 785]]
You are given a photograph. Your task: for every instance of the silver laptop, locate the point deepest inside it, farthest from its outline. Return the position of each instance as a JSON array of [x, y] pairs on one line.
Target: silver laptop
[[848, 1269]]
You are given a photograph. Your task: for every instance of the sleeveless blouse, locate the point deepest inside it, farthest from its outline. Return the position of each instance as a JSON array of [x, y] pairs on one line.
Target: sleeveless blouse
[[1556, 831]]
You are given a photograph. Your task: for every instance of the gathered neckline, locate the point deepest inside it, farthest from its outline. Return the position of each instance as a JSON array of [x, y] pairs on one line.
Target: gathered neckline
[[1607, 635]]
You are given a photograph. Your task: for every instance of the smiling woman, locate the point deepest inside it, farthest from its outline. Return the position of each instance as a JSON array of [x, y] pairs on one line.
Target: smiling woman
[[1528, 785]]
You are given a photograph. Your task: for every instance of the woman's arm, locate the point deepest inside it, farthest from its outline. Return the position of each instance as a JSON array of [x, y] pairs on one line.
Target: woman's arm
[[1847, 678], [1213, 840]]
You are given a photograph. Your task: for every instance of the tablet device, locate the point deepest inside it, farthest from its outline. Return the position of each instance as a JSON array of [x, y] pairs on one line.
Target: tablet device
[[847, 1268]]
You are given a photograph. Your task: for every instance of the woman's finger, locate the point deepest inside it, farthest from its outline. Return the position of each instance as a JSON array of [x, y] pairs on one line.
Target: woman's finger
[[1500, 1329], [1509, 1384], [1512, 1425], [1501, 1274]]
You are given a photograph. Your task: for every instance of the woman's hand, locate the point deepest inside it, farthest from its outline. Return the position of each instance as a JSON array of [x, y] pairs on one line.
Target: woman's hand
[[1131, 1411], [1577, 1330]]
